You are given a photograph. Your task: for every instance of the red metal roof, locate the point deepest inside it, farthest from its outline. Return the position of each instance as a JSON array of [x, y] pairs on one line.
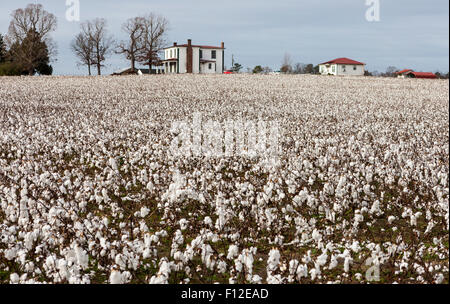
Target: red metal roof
[[424, 75], [344, 60], [404, 71]]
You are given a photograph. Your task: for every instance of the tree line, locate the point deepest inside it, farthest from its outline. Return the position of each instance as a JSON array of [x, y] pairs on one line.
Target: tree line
[[28, 49]]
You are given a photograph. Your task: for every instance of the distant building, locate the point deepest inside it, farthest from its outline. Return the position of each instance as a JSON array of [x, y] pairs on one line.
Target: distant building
[[408, 73], [342, 66], [138, 71], [197, 59]]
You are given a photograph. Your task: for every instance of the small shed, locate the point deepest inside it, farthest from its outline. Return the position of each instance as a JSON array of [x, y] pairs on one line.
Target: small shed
[[408, 73]]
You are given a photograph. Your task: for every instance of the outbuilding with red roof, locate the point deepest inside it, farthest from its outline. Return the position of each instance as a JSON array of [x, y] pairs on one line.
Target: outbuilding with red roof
[[342, 66], [408, 73]]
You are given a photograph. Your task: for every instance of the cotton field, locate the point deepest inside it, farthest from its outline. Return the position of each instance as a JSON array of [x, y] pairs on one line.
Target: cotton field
[[91, 191]]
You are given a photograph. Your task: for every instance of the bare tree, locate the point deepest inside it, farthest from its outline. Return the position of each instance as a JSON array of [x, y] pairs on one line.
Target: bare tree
[[154, 39], [267, 70], [286, 65], [101, 41], [299, 68], [36, 23], [390, 71], [83, 47], [135, 29]]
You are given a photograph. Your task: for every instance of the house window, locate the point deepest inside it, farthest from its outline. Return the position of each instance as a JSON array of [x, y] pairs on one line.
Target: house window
[[333, 68], [343, 68], [354, 68], [201, 54], [210, 66], [213, 54]]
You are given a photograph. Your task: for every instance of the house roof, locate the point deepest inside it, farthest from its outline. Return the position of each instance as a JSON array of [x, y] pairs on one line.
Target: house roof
[[424, 75], [121, 71], [344, 60], [404, 71], [199, 46]]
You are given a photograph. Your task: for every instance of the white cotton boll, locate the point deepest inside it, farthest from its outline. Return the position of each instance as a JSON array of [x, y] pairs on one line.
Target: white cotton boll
[[62, 189], [367, 190], [10, 254], [14, 278], [293, 265], [120, 261], [222, 267], [355, 247], [147, 253], [183, 224], [375, 208], [302, 271], [347, 263], [233, 251], [414, 217], [333, 262], [238, 265], [248, 260], [274, 260], [256, 279], [274, 279], [322, 259], [50, 262], [178, 238], [314, 273], [439, 279], [150, 186], [82, 257], [358, 219], [316, 235], [208, 221], [391, 219], [113, 164], [144, 212], [116, 277]]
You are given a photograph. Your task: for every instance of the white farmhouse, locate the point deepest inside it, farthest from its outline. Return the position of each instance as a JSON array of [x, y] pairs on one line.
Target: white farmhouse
[[197, 59], [342, 66]]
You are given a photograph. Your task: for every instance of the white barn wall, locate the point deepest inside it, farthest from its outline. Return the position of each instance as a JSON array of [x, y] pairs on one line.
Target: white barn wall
[[339, 69], [349, 71]]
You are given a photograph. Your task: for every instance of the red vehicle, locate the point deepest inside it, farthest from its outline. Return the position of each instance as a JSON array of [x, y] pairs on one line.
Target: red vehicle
[[228, 72]]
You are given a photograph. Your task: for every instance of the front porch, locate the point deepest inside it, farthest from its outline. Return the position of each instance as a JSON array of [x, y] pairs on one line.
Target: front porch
[[171, 66]]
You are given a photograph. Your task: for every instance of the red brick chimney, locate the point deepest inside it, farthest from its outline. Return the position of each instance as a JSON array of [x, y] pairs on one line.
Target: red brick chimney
[[189, 57], [174, 44], [222, 45]]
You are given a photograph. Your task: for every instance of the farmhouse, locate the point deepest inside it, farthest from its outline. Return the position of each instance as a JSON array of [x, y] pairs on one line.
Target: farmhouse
[[342, 66], [408, 73], [197, 59]]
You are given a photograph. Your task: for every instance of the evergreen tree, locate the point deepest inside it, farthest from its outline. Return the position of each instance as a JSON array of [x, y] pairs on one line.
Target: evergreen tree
[[2, 50], [32, 55]]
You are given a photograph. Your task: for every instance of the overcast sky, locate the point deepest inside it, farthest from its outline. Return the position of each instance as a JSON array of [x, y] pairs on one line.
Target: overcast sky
[[411, 33]]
